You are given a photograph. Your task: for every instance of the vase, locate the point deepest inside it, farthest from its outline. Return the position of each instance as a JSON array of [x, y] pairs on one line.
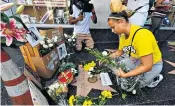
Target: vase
[[92, 79]]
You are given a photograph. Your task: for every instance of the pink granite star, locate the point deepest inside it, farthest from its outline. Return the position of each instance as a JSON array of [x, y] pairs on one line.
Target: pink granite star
[[173, 64], [84, 87]]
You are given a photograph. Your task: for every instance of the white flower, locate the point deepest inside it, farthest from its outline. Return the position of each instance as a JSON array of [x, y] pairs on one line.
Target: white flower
[[42, 42], [134, 91], [45, 46], [91, 76], [69, 40], [73, 40], [91, 69], [61, 85], [65, 35], [49, 41], [50, 45], [56, 37], [89, 73], [104, 53], [55, 40]]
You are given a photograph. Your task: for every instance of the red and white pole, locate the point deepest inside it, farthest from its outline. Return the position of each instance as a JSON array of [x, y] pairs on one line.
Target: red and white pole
[[15, 82]]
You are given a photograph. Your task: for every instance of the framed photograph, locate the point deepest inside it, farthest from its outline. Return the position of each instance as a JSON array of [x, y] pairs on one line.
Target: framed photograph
[[46, 16], [25, 18], [21, 2], [62, 52], [7, 1], [33, 37]]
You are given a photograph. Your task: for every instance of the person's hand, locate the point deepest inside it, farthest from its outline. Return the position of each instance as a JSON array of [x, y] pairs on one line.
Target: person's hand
[[120, 73], [110, 50], [80, 18], [113, 55]]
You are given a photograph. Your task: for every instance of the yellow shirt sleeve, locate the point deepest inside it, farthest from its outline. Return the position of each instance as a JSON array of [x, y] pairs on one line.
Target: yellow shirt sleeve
[[144, 43]]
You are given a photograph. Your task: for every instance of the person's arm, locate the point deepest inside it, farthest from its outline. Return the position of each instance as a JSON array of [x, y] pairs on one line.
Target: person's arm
[[94, 17], [147, 64], [159, 4], [73, 20], [117, 53]]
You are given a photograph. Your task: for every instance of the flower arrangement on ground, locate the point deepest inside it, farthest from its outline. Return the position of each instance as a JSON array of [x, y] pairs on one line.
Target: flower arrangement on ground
[[88, 101]]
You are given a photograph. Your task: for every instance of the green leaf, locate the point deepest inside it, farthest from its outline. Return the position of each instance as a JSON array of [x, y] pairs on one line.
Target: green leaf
[[123, 95], [3, 40], [4, 18]]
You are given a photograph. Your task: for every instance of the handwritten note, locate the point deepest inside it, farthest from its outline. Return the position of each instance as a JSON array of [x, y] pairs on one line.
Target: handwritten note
[[105, 79]]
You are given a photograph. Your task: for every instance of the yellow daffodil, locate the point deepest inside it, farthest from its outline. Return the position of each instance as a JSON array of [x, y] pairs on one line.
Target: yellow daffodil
[[89, 102], [85, 103], [109, 94], [92, 64], [71, 100], [87, 67], [106, 94]]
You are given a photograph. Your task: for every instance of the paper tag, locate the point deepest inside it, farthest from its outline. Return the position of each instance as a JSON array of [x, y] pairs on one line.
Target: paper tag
[[105, 79]]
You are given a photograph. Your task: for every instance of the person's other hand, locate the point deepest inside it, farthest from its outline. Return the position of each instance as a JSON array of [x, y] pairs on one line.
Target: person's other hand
[[80, 18], [120, 73]]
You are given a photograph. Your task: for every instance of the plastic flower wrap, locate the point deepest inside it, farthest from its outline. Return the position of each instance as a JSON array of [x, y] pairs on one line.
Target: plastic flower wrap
[[58, 92]]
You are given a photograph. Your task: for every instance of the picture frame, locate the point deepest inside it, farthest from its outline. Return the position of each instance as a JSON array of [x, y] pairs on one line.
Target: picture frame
[[33, 37], [25, 18], [6, 1], [62, 51]]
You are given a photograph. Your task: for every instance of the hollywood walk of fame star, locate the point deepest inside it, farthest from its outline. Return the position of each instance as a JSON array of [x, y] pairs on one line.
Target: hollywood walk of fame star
[[84, 87], [173, 64]]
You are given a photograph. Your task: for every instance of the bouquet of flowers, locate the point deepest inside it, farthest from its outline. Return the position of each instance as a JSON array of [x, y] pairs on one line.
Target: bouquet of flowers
[[67, 72], [58, 92], [70, 42], [48, 45], [93, 69], [87, 101], [103, 57]]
